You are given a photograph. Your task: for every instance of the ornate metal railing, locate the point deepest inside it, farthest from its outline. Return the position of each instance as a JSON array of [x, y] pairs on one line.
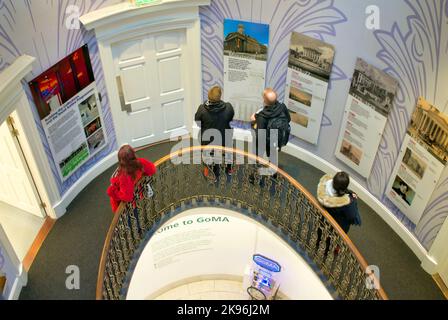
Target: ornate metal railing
[[276, 199]]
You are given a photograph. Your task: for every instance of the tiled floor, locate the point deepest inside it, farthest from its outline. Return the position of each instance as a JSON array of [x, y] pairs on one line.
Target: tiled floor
[[20, 227], [207, 290]]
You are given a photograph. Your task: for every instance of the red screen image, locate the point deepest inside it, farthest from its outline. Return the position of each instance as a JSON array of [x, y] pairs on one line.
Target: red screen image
[[61, 82]]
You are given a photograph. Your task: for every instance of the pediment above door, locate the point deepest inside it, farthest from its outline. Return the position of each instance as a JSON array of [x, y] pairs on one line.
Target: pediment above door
[[114, 20]]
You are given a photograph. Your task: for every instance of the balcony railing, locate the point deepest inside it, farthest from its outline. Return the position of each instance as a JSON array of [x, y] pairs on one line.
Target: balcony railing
[[277, 199]]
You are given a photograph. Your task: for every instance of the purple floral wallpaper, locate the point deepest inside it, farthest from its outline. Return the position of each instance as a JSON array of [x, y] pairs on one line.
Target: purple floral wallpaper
[[411, 45], [416, 55]]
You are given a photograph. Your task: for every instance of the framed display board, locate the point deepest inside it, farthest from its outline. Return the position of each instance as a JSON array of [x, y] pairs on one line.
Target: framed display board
[[369, 103], [69, 107], [309, 68], [245, 56], [421, 161]]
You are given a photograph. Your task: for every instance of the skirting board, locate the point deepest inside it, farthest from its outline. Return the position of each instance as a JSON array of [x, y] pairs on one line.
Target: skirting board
[[428, 264], [19, 282], [61, 207]]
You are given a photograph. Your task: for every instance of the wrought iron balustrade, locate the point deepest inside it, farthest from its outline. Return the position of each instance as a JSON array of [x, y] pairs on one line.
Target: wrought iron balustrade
[[277, 200]]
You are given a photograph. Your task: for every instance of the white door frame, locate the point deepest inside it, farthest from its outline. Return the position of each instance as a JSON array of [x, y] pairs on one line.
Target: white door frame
[[13, 98], [125, 21]]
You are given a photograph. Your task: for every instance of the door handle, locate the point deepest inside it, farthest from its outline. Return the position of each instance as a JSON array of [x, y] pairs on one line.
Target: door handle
[[124, 106]]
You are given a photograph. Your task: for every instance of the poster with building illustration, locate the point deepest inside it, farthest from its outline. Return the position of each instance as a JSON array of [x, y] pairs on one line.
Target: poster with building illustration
[[309, 68], [421, 161], [369, 103], [245, 56]]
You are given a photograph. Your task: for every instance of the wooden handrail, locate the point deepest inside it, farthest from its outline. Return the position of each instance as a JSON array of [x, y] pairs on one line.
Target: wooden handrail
[[291, 180]]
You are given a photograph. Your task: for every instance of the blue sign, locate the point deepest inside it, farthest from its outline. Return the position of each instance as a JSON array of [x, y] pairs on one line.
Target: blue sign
[[266, 263]]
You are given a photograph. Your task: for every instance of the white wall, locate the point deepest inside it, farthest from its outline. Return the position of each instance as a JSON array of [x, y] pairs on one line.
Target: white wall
[[225, 249]]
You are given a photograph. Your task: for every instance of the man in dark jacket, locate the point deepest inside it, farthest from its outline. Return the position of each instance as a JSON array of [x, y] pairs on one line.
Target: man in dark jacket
[[272, 109], [214, 117]]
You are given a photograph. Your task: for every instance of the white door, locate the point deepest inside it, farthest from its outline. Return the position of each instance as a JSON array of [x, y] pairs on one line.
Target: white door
[[16, 185], [150, 78]]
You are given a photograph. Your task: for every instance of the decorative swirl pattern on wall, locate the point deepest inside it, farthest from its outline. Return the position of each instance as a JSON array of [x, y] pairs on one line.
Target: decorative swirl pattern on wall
[[314, 18], [414, 58], [38, 28]]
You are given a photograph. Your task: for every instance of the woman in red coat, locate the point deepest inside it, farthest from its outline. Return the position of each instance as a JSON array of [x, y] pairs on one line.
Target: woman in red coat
[[130, 170]]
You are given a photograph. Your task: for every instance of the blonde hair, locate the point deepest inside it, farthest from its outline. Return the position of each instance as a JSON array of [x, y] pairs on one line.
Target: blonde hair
[[214, 94]]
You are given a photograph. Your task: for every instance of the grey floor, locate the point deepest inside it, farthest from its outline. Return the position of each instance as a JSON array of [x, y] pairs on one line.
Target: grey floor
[[78, 237]]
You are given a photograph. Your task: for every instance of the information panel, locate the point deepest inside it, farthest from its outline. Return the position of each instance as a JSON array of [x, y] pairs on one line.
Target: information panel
[[245, 55], [309, 69], [68, 104], [369, 103], [422, 159]]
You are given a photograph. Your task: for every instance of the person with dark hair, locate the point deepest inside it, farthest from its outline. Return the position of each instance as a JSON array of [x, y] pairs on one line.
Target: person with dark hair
[[402, 191], [215, 115], [341, 203], [130, 170]]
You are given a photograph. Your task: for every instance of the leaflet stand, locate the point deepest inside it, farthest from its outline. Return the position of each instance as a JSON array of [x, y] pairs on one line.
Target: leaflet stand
[[264, 278]]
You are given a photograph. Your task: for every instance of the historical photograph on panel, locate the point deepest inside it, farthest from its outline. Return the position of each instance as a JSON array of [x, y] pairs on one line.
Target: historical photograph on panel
[[300, 96], [311, 56], [373, 87], [414, 163], [246, 39], [299, 119], [351, 152], [429, 127], [403, 190]]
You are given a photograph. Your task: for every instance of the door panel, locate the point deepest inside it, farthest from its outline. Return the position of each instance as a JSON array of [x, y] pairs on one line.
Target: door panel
[[129, 50], [151, 70], [17, 188], [135, 88], [142, 128], [169, 41], [170, 75], [173, 115]]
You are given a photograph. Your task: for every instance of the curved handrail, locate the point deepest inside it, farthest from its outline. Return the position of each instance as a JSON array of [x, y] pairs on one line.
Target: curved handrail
[[380, 293]]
